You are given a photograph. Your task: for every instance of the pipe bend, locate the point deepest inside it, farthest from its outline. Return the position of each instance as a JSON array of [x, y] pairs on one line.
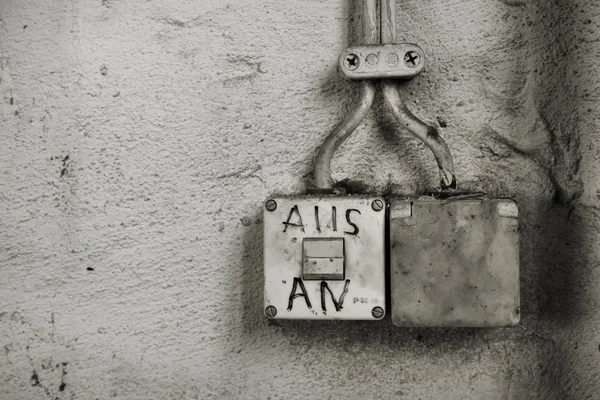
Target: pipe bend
[[426, 133], [339, 134]]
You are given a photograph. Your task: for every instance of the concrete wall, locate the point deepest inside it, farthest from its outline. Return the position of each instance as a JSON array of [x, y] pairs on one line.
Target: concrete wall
[[140, 138]]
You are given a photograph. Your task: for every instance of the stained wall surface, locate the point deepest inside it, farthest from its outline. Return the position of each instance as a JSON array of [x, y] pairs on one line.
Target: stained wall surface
[[139, 140]]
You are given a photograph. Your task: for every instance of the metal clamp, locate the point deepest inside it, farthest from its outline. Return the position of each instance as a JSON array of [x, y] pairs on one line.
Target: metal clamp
[[380, 58], [404, 60]]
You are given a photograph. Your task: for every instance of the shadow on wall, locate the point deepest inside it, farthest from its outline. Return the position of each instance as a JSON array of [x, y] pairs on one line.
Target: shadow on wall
[[562, 228]]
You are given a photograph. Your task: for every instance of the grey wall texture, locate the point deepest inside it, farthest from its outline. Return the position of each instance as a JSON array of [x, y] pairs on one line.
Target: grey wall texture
[[140, 139]]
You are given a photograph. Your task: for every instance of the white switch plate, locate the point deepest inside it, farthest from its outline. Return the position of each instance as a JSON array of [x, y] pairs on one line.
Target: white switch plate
[[360, 295]]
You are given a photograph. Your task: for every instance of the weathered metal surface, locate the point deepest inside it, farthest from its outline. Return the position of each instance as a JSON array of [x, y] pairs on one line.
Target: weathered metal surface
[[381, 61], [328, 224], [340, 133], [454, 263], [428, 134], [388, 21]]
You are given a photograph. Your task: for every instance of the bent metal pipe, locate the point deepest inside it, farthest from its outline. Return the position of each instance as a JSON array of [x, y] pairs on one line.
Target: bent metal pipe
[[424, 132]]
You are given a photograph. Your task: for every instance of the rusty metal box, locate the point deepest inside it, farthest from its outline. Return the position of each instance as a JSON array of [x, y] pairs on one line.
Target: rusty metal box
[[454, 262], [324, 257]]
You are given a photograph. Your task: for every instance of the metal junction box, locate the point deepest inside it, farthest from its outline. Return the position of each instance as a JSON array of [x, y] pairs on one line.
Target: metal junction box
[[454, 262], [324, 257]]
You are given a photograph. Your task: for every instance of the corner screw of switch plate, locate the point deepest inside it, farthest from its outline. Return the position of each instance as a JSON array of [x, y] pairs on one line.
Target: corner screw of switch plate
[[351, 62], [271, 205], [377, 205], [377, 312], [412, 59], [271, 312]]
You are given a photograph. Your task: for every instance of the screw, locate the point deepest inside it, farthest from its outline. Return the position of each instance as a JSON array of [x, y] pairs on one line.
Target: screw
[[271, 312], [377, 205], [351, 62], [392, 59], [271, 205], [372, 60], [412, 59], [377, 312]]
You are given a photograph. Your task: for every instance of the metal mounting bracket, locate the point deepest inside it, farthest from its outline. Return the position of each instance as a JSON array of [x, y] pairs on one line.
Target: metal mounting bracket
[[380, 61], [381, 58]]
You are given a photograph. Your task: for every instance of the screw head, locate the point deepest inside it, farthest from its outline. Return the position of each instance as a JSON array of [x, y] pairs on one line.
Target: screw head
[[372, 60], [271, 312], [392, 59], [412, 59], [351, 61], [271, 205], [377, 312], [377, 205]]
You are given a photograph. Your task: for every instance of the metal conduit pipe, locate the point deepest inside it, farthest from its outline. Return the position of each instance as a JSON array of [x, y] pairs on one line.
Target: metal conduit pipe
[[340, 133], [426, 133]]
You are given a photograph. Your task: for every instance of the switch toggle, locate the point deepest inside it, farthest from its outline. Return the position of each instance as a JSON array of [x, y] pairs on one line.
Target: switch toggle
[[323, 259]]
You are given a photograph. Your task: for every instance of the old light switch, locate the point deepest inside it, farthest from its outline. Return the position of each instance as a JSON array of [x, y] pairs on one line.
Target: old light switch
[[323, 259]]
